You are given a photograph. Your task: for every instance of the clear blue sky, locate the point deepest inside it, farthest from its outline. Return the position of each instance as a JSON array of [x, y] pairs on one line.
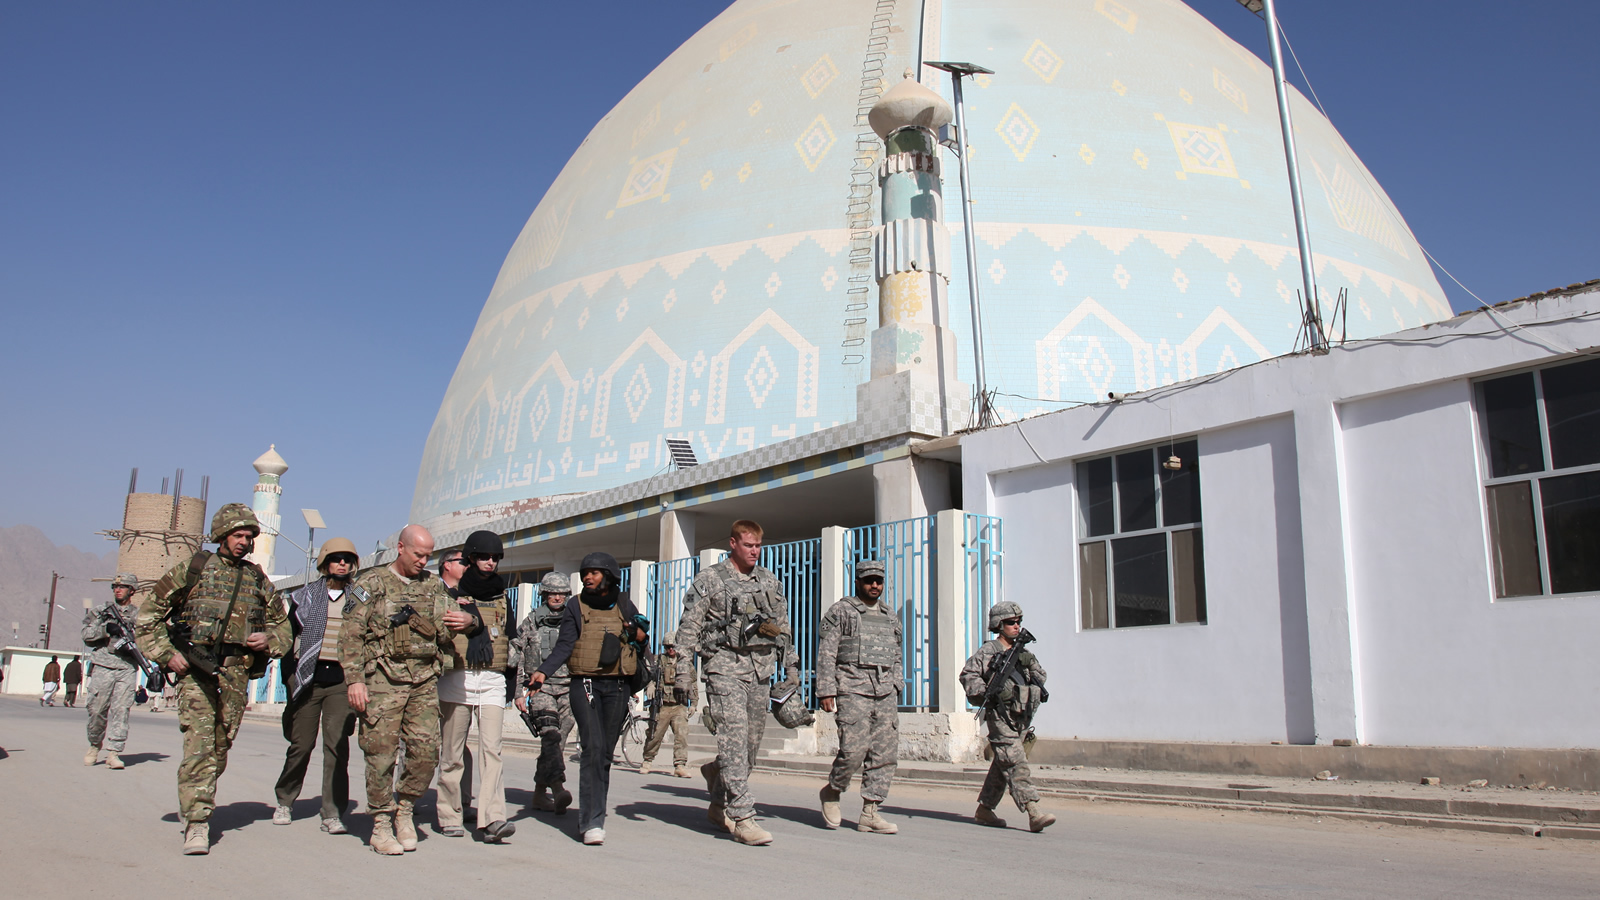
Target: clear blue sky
[[227, 225]]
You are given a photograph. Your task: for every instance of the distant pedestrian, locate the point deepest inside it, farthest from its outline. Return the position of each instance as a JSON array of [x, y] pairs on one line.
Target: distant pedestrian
[[670, 713], [72, 676], [52, 681]]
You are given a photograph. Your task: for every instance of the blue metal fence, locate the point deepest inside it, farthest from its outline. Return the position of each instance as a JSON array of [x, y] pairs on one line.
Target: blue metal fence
[[982, 540], [668, 581], [798, 567], [906, 549]]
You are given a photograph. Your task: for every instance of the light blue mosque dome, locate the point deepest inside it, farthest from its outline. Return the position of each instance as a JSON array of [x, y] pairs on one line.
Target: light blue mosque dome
[[702, 266]]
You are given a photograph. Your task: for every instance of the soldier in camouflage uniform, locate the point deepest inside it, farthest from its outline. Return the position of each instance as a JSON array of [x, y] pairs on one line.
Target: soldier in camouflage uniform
[[1009, 719], [735, 616], [213, 620], [548, 711], [670, 714], [859, 680], [391, 648], [116, 677]]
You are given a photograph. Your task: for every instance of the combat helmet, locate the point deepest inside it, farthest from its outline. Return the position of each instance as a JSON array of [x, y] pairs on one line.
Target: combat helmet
[[555, 583], [125, 579], [670, 639], [335, 545], [1001, 611], [604, 562], [792, 712], [483, 543], [230, 518]]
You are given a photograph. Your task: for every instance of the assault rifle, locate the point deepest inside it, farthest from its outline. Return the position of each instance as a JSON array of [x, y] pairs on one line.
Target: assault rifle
[[122, 642], [1004, 669]]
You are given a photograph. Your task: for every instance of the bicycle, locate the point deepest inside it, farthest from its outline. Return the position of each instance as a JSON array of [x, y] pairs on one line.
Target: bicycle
[[635, 731]]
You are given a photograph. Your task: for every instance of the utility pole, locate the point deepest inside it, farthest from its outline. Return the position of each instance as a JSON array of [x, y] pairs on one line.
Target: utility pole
[[50, 614]]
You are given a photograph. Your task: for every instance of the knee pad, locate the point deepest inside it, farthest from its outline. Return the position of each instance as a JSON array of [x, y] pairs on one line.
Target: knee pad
[[546, 721]]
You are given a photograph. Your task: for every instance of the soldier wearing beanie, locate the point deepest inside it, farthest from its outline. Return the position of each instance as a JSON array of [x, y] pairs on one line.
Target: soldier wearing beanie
[[476, 683], [547, 711], [213, 620], [114, 676], [859, 681]]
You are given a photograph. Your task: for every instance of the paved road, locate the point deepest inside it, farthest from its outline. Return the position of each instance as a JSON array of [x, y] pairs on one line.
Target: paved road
[[68, 831]]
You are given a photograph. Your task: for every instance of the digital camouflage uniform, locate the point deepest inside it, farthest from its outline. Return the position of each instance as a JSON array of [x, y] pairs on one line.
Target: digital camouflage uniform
[[549, 715], [114, 679], [210, 707], [400, 665], [719, 609], [1008, 724], [858, 664], [672, 714]]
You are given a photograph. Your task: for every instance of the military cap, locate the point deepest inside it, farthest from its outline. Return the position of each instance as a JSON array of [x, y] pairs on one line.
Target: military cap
[[230, 518], [125, 579], [867, 568]]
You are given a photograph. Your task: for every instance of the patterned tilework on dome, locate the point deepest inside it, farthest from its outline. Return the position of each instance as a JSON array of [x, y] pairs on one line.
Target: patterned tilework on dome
[[695, 269]]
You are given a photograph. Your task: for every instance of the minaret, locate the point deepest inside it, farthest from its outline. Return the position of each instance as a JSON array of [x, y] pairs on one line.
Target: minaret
[[913, 349], [270, 466]]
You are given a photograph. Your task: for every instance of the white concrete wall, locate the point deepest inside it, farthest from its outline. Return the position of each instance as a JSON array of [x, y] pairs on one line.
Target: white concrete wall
[[1346, 553], [1441, 661]]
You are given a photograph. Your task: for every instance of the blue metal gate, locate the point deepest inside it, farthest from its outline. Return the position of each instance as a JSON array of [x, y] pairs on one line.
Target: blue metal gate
[[906, 549], [668, 581], [798, 567]]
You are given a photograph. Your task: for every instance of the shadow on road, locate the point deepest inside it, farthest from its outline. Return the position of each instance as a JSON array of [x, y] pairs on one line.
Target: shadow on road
[[134, 759]]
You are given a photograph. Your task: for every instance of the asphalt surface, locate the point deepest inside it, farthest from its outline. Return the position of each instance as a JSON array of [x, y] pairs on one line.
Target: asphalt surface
[[71, 831]]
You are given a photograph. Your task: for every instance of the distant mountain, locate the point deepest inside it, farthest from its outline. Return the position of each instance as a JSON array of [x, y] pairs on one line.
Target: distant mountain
[[27, 558]]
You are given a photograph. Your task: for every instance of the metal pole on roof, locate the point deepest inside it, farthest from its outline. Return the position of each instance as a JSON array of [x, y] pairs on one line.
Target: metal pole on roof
[[1311, 309]]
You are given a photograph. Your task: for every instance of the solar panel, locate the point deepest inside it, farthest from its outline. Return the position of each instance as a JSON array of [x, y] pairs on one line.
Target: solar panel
[[682, 454]]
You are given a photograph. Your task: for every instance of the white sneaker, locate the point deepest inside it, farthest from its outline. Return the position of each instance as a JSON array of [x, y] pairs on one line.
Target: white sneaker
[[282, 816], [594, 837]]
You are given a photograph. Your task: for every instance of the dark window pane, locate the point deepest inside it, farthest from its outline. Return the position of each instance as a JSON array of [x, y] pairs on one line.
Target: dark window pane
[[1188, 576], [1180, 489], [1512, 542], [1572, 410], [1571, 531], [1094, 497], [1511, 423], [1136, 490], [1092, 584], [1139, 575]]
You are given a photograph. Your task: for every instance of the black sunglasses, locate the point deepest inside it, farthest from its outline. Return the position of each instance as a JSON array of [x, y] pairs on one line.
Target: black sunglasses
[[494, 556], [1016, 621], [457, 560], [872, 579], [344, 558]]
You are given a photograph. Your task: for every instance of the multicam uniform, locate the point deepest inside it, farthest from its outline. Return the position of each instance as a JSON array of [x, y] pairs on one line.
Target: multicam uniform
[[1008, 723], [673, 715], [399, 664], [550, 710], [858, 664], [230, 600], [114, 679], [721, 612]]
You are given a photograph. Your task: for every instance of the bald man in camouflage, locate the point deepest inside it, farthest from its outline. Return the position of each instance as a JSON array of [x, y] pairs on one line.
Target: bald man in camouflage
[[213, 620]]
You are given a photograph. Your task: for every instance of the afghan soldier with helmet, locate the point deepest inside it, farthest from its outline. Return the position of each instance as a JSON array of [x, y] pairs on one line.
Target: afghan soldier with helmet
[[671, 713], [547, 711], [1008, 711], [212, 619], [391, 648], [114, 678], [736, 618], [859, 680], [475, 682], [319, 701]]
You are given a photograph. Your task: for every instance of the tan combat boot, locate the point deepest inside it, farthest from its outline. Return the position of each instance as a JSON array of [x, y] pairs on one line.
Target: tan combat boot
[[680, 772], [405, 830], [541, 798], [1038, 819], [644, 768], [197, 839], [114, 761], [92, 757], [870, 821], [986, 816], [710, 772], [383, 835], [746, 831], [717, 815], [830, 806]]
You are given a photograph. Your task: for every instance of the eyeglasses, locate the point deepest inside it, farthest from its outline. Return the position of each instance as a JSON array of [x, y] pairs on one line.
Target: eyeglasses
[[345, 558], [872, 579], [457, 560], [1016, 621], [494, 556]]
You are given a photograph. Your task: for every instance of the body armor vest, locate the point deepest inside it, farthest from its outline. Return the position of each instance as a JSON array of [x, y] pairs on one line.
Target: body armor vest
[[493, 613], [876, 640], [547, 622], [204, 608], [597, 623], [329, 652], [402, 642]]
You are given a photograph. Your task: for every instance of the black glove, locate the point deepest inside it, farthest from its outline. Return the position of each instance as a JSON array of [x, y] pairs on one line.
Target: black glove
[[114, 628]]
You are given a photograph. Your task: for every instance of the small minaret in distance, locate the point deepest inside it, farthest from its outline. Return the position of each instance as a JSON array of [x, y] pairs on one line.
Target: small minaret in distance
[[270, 467]]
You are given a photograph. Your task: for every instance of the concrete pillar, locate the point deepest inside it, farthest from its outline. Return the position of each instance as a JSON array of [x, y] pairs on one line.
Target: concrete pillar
[[1330, 616], [677, 535], [950, 618], [709, 558], [835, 581], [639, 585], [910, 487]]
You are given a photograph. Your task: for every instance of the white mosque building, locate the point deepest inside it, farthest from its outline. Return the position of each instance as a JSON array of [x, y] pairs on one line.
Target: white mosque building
[[725, 262]]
